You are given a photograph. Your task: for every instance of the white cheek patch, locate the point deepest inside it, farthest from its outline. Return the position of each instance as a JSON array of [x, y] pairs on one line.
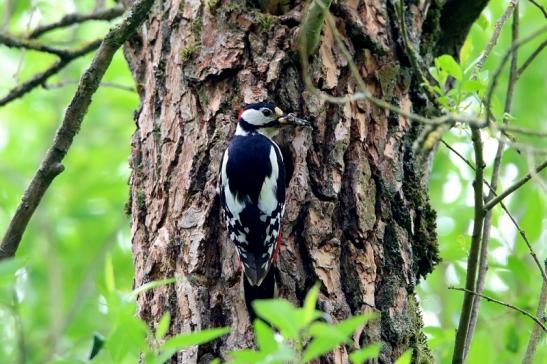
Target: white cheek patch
[[255, 117], [267, 201]]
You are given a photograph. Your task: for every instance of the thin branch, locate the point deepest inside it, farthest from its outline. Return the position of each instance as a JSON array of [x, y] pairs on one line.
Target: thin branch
[[494, 39], [51, 165], [535, 336], [515, 186], [532, 57], [497, 73], [50, 86], [540, 7], [520, 230], [41, 78], [508, 305], [365, 95], [12, 42], [472, 261], [76, 18], [483, 255]]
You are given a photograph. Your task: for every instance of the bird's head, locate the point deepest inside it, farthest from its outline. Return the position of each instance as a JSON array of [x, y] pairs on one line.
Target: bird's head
[[266, 118]]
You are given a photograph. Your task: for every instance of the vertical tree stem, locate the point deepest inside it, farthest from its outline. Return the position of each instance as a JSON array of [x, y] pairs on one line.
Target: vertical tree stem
[[483, 259], [472, 262], [535, 336]]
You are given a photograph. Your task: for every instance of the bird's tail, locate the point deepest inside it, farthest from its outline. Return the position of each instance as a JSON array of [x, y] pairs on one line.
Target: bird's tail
[[265, 290]]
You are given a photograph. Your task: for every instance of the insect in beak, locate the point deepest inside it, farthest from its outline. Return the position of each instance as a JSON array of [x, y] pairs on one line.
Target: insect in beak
[[290, 119]]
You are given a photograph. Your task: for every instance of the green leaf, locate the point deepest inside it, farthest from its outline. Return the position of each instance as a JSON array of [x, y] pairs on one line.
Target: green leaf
[[66, 361], [310, 302], [327, 337], [483, 22], [195, 338], [405, 358], [151, 285], [163, 325], [320, 346], [185, 340], [368, 352], [8, 267], [326, 331], [265, 337], [128, 338], [447, 63], [473, 86], [98, 343], [351, 324], [109, 274], [281, 314]]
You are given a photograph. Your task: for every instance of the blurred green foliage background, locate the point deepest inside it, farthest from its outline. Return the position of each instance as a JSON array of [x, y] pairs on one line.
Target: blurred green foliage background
[[80, 230]]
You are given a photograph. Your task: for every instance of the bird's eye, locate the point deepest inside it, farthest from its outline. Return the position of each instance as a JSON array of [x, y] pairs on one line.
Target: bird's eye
[[266, 112]]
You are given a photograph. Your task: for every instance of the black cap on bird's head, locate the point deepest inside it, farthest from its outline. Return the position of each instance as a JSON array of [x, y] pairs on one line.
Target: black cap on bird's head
[[265, 115]]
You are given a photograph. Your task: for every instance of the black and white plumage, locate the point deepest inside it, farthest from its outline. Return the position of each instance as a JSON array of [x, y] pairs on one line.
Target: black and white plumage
[[252, 189]]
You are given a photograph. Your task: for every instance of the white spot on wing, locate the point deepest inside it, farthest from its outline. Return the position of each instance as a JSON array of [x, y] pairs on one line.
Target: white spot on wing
[[267, 200]]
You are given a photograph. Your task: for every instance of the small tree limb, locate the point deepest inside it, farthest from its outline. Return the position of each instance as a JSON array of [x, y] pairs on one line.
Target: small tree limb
[[506, 210], [51, 165], [12, 42], [483, 256], [508, 305], [532, 57], [41, 78], [540, 7], [472, 262], [514, 187], [76, 18], [535, 336]]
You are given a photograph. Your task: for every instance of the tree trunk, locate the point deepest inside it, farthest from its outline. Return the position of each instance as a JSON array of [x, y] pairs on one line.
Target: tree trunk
[[357, 217]]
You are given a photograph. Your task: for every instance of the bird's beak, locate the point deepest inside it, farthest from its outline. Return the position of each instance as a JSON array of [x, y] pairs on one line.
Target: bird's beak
[[290, 119]]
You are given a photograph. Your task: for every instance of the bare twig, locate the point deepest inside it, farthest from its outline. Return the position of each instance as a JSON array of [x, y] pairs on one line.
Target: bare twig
[[508, 305], [520, 230], [535, 336], [494, 39], [540, 7], [365, 95], [76, 18], [514, 187], [472, 262], [51, 165], [532, 57], [483, 255], [40, 78], [12, 42], [49, 86], [497, 73]]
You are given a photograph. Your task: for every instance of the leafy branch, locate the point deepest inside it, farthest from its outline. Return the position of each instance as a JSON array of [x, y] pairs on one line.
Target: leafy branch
[[51, 165]]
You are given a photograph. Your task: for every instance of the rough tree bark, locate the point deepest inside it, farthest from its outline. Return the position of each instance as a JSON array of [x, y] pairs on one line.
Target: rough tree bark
[[357, 216]]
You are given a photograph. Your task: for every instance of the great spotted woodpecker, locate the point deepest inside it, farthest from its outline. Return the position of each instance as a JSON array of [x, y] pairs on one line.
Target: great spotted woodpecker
[[252, 194]]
